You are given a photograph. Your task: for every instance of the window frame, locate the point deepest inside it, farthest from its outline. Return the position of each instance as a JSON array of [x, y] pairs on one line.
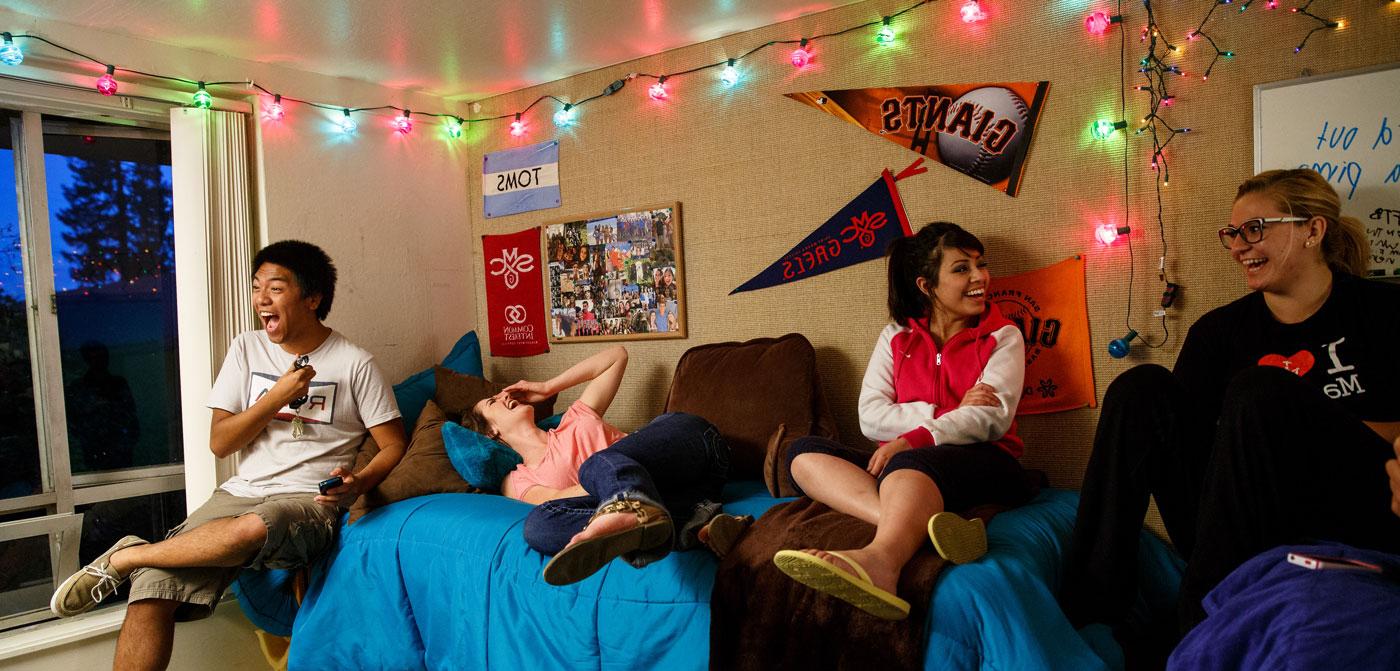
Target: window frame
[[62, 492]]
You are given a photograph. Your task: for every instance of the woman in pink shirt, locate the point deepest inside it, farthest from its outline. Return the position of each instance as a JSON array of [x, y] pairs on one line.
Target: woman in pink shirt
[[939, 396], [603, 493]]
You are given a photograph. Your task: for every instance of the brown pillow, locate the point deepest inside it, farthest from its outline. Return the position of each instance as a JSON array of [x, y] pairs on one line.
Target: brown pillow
[[457, 392], [424, 469], [747, 390]]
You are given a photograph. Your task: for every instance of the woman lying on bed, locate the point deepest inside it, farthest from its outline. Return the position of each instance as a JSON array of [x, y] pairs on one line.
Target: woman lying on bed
[[603, 493], [939, 395]]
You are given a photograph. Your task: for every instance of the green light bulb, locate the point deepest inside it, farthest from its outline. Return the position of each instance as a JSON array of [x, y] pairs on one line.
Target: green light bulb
[[202, 99], [1103, 128], [886, 34]]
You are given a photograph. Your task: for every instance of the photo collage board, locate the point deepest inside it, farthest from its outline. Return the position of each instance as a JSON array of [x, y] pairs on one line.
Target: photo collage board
[[616, 276]]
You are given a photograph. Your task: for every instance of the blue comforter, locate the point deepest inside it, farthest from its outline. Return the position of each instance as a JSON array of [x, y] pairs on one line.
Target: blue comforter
[[447, 582]]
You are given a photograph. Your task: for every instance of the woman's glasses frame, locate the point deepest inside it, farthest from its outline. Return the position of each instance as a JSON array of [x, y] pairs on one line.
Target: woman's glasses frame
[[1252, 230]]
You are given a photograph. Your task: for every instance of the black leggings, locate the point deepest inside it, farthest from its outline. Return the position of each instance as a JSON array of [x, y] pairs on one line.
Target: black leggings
[[1283, 464], [966, 475]]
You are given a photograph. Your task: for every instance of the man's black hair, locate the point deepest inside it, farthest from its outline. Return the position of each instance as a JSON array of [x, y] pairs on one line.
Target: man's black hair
[[310, 265]]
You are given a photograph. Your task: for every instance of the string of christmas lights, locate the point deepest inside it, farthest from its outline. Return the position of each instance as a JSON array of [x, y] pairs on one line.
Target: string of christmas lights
[[107, 84], [1158, 73], [1200, 32], [1323, 24]]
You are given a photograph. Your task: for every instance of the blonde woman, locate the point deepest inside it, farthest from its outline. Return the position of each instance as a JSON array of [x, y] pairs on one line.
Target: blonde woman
[[1276, 423]]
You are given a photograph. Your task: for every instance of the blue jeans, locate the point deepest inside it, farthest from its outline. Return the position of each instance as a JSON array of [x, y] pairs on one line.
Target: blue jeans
[[678, 461]]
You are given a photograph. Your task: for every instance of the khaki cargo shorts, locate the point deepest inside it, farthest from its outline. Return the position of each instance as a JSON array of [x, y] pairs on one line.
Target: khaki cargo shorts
[[299, 530]]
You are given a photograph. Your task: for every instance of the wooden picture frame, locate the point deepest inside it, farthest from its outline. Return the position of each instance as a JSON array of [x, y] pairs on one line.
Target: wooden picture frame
[[615, 276]]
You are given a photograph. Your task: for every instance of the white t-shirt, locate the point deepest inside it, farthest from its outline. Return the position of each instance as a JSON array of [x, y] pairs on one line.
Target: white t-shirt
[[347, 396]]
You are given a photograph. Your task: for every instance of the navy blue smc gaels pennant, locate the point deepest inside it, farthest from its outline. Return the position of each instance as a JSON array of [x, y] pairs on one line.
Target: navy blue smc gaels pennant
[[859, 232]]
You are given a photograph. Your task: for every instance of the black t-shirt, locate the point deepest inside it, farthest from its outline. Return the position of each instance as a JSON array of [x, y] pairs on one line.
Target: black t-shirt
[[1347, 348]]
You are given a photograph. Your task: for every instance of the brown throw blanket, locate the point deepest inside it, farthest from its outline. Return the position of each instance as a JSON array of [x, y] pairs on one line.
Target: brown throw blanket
[[762, 619]]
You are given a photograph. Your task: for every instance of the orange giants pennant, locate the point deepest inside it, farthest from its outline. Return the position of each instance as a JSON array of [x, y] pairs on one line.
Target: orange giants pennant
[[981, 130], [1050, 307]]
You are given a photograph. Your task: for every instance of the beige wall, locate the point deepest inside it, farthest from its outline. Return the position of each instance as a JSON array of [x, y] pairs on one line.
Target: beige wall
[[389, 209], [756, 172]]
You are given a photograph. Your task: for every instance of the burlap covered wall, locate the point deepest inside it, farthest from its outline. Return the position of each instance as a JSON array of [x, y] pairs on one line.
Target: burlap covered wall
[[756, 172]]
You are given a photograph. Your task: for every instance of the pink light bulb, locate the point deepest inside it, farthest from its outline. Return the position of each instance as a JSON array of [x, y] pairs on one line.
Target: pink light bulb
[[972, 12], [106, 84], [801, 57], [403, 123], [517, 127], [1107, 233], [1096, 23], [274, 111]]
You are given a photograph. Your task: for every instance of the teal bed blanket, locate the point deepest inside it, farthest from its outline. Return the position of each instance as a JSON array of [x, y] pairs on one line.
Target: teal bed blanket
[[447, 582]]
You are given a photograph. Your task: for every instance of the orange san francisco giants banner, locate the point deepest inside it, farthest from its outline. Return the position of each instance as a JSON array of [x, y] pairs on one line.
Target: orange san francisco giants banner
[[981, 130], [1051, 309]]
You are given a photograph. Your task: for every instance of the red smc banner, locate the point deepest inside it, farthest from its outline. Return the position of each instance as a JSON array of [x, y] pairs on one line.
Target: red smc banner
[[515, 293]]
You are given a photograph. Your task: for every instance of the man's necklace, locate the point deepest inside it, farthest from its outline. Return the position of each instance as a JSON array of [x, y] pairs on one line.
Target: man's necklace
[[298, 426]]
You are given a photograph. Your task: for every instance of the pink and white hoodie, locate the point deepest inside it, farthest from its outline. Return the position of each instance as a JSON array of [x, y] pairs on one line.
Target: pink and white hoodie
[[912, 388]]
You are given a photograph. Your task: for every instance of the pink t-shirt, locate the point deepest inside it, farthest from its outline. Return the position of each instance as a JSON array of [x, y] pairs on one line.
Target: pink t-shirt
[[581, 432]]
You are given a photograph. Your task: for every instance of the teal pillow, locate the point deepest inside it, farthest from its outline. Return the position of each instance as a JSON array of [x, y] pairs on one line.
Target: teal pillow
[[465, 356], [481, 461], [413, 393]]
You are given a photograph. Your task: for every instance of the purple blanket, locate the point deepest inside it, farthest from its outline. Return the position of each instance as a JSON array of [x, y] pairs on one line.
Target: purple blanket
[[1270, 614]]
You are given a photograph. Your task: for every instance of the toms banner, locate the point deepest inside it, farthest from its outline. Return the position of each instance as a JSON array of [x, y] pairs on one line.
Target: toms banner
[[1050, 307], [858, 232], [521, 179], [514, 284], [981, 130]]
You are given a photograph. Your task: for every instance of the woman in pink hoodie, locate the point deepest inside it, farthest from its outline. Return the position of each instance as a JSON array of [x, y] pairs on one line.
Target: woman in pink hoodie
[[939, 396]]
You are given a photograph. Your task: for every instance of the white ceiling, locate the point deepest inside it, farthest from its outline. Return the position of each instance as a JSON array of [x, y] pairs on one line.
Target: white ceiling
[[459, 49]]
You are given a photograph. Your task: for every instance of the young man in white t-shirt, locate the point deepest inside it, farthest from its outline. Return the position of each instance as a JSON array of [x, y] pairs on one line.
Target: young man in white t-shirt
[[293, 427]]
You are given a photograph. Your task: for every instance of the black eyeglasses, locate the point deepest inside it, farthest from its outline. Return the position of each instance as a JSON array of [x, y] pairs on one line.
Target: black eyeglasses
[[1252, 230]]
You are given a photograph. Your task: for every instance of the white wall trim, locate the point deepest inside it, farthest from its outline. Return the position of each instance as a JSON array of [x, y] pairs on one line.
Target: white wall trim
[[213, 254], [50, 634]]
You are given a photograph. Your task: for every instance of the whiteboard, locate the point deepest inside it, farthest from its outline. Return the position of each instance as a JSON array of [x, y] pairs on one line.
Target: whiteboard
[[1346, 126]]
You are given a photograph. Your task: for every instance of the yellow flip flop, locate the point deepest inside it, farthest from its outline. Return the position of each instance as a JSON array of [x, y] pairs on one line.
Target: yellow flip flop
[[958, 540], [828, 578]]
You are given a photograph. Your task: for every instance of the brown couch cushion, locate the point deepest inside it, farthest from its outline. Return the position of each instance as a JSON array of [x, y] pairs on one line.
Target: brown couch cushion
[[748, 390], [424, 469], [458, 392]]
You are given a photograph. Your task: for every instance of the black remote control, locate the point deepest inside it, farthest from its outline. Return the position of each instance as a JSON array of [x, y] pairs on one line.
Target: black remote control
[[330, 483], [302, 362]]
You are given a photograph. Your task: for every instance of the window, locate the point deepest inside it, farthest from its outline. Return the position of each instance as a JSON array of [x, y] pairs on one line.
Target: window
[[90, 425]]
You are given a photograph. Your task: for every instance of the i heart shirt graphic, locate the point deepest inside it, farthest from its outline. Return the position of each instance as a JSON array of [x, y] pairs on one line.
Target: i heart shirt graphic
[[1298, 363]]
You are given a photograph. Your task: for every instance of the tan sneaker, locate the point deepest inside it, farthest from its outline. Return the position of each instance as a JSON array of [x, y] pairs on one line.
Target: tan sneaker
[[722, 532], [83, 590]]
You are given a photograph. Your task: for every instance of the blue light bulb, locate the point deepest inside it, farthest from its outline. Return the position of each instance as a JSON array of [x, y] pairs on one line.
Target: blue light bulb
[[347, 124], [729, 76], [565, 116], [10, 53], [1119, 348]]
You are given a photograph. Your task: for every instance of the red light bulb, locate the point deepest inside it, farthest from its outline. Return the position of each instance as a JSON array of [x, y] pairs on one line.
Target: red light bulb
[[658, 90], [1108, 233], [972, 12]]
